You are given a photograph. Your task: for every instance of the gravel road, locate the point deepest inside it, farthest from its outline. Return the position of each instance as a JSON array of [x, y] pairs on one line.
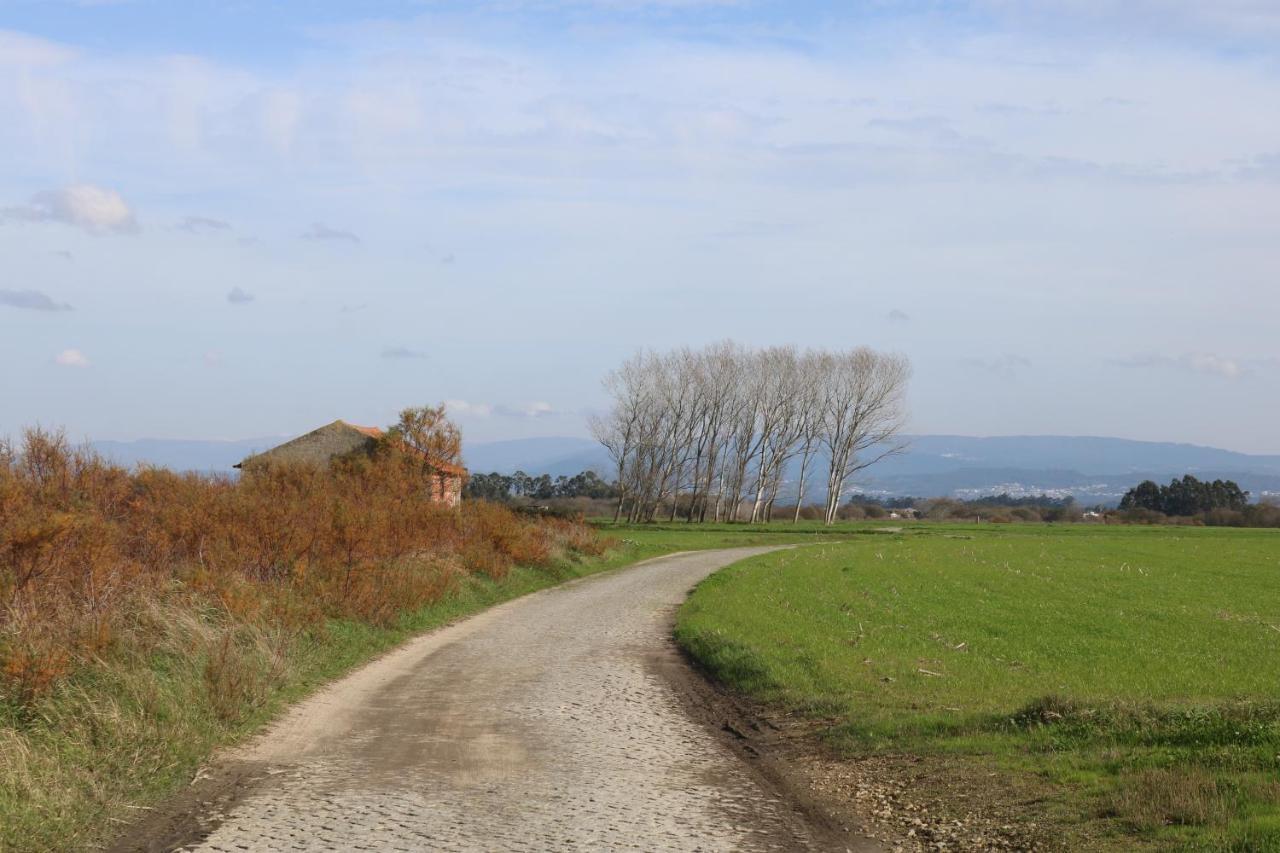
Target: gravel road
[[546, 723]]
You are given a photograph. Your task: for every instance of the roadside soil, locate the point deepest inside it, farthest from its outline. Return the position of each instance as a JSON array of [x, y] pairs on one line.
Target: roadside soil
[[905, 803]]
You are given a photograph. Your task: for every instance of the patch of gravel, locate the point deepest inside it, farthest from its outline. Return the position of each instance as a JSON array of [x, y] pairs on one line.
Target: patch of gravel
[[883, 795]]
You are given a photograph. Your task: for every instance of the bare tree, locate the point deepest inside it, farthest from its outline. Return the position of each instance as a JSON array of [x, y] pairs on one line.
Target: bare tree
[[863, 410], [708, 431], [619, 431], [777, 418], [809, 421]]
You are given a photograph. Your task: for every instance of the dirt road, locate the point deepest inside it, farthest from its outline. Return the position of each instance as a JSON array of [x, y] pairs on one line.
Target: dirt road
[[549, 723]]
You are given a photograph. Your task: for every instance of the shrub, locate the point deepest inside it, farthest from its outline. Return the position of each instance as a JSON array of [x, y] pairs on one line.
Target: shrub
[[276, 553], [812, 513]]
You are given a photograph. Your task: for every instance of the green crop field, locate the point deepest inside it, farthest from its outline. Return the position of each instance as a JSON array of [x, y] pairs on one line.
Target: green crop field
[[1131, 674], [640, 541]]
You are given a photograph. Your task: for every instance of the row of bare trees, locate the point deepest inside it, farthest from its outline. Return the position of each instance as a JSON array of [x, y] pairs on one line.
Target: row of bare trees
[[711, 434]]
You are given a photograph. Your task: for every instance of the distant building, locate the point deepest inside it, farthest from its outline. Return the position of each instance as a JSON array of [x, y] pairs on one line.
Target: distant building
[[332, 441], [905, 512]]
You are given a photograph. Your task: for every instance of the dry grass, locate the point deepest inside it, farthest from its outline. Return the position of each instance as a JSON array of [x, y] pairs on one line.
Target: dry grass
[[146, 616], [1154, 799]]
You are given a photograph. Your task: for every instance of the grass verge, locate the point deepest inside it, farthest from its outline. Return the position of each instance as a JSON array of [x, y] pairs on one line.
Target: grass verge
[[1128, 676]]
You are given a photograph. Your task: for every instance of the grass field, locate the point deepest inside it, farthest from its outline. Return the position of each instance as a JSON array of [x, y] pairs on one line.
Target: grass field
[[1130, 674], [643, 540]]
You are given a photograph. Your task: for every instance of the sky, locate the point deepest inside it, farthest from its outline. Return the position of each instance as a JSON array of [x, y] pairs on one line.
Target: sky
[[233, 219]]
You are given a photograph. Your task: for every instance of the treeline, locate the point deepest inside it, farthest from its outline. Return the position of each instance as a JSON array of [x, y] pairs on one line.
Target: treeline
[[994, 508], [1033, 501], [709, 434], [1003, 500], [1187, 496], [1220, 503], [505, 488]]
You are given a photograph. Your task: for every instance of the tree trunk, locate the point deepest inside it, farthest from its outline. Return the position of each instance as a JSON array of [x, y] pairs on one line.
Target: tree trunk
[[833, 493], [762, 481], [719, 497], [804, 464]]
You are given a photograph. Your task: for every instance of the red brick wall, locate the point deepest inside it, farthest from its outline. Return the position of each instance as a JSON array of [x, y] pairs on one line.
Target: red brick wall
[[446, 489]]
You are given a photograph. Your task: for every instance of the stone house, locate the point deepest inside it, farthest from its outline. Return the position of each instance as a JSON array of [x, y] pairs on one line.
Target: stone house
[[338, 439]]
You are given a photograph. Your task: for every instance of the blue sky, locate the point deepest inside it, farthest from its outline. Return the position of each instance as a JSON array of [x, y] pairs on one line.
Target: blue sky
[[245, 219]]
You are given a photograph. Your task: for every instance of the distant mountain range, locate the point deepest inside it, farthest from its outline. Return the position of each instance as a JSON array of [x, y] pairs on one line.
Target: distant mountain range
[[209, 456], [1094, 470]]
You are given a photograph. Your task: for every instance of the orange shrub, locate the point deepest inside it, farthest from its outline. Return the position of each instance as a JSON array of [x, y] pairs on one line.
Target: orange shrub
[[29, 670], [282, 548]]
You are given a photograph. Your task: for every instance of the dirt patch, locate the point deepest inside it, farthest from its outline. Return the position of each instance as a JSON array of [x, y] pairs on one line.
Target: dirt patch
[[899, 803], [196, 812], [931, 803], [767, 749]]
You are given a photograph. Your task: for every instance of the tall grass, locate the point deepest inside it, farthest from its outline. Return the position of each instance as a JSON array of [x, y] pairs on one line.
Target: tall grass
[[147, 615]]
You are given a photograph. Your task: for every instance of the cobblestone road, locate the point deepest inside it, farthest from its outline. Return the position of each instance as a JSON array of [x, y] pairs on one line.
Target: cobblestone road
[[541, 724]]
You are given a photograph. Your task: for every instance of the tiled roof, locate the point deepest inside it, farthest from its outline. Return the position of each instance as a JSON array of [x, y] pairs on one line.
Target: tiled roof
[[449, 468], [372, 432]]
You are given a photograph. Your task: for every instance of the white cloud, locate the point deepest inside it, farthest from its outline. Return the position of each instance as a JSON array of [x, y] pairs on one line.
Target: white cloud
[[568, 177], [464, 407], [1206, 363], [1248, 18], [533, 409], [29, 51], [71, 358], [280, 112], [1217, 365], [95, 209]]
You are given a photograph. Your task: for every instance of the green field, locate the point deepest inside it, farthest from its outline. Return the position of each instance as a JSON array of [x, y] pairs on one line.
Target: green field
[[640, 541], [1131, 674]]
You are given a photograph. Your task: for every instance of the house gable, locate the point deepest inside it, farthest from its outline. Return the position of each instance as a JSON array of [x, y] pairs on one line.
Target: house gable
[[320, 446]]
